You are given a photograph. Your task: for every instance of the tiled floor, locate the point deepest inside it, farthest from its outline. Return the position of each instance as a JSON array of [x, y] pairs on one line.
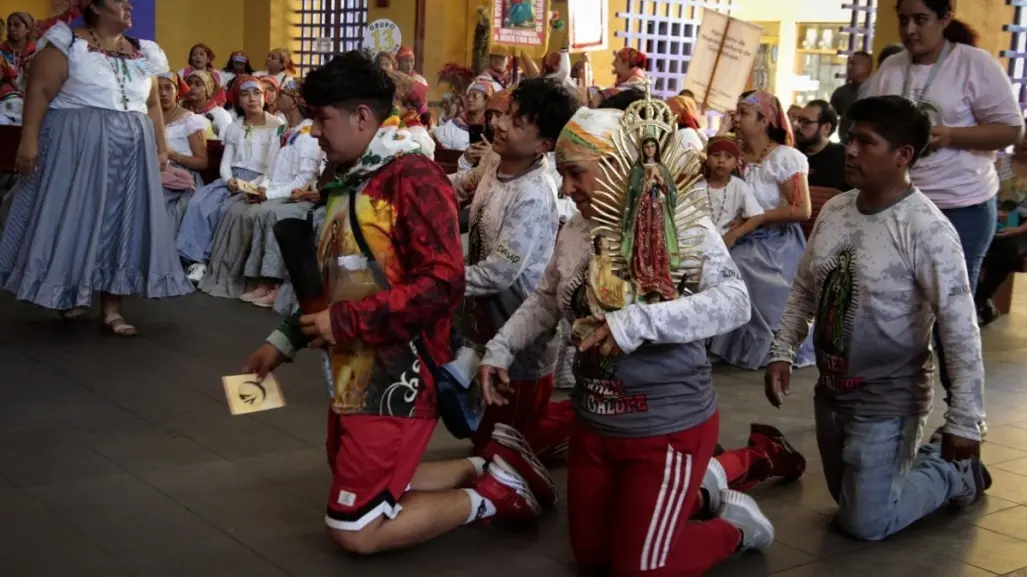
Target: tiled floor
[[119, 457]]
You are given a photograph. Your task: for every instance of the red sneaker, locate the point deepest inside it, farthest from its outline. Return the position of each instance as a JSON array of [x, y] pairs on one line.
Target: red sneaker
[[510, 446], [785, 461], [508, 491]]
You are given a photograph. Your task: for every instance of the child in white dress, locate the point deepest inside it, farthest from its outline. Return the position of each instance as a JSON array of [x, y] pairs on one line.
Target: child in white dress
[[733, 206]]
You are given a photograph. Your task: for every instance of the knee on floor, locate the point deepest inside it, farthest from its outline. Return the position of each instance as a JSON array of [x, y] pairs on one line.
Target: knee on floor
[[364, 542], [863, 527]]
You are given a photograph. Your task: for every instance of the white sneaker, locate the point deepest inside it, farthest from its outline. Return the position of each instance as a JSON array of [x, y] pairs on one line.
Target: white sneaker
[[742, 511], [196, 272], [715, 482]]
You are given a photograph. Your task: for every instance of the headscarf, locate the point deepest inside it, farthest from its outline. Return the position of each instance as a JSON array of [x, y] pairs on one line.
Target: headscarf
[[237, 56], [247, 81], [589, 135], [405, 52], [685, 110], [286, 57], [770, 107], [724, 143], [294, 89], [484, 85], [208, 81], [632, 57], [176, 80], [25, 18], [499, 102], [271, 82], [210, 53]]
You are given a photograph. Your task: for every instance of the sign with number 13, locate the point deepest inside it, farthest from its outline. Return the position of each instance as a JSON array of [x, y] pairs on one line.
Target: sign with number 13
[[382, 35]]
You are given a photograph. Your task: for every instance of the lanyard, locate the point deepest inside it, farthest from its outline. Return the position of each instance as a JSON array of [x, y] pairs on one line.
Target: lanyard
[[907, 84]]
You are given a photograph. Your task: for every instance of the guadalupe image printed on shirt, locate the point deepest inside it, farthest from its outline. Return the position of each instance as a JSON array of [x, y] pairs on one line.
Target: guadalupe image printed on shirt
[[833, 327], [522, 24]]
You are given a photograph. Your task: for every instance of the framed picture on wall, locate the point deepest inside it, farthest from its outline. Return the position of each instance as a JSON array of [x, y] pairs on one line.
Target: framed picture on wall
[[588, 25]]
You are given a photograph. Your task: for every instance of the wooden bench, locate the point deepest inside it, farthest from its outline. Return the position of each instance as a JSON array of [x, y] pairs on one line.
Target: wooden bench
[[818, 197], [448, 159]]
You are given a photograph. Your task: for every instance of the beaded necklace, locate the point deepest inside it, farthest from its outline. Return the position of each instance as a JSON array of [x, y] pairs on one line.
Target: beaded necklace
[[118, 64], [717, 206]]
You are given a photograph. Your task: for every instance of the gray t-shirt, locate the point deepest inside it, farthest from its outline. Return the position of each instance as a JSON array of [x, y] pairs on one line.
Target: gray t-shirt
[[513, 225], [661, 383], [876, 284]]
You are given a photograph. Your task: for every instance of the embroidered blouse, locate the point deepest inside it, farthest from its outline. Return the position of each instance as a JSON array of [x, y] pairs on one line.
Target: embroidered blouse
[[249, 147], [296, 163], [98, 79]]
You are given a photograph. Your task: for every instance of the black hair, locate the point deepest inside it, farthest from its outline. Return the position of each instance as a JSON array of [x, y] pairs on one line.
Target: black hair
[[957, 31], [828, 115], [623, 99], [349, 80], [88, 16], [896, 119], [688, 93], [547, 103], [230, 67], [887, 52], [777, 134], [645, 141], [863, 54]]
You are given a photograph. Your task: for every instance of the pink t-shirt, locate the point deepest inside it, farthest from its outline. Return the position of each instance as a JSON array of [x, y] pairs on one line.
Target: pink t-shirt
[[970, 88]]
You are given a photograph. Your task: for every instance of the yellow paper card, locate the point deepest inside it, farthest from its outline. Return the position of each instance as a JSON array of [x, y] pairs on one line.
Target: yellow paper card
[[247, 394]]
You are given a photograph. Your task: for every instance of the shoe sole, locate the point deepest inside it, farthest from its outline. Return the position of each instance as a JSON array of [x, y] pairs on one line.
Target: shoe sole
[[508, 470], [778, 436], [749, 505], [714, 481], [513, 440]]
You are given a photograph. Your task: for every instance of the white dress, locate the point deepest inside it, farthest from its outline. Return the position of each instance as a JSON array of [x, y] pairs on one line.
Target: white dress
[[92, 216], [220, 119], [177, 133]]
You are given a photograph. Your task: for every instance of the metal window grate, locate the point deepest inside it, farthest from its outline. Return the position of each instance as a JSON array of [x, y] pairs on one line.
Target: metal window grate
[[666, 30], [1017, 53], [326, 27], [860, 31]]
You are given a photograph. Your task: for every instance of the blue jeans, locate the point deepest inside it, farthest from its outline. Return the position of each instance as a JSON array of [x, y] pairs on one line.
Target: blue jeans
[[975, 226], [881, 483]]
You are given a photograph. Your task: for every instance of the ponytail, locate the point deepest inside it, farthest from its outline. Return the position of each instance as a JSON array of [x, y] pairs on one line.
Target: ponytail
[[959, 32]]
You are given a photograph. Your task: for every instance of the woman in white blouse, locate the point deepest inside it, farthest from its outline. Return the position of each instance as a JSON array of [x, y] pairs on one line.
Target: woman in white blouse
[[279, 65], [89, 214], [201, 57], [244, 163], [186, 134], [768, 258], [975, 113], [244, 260], [200, 99]]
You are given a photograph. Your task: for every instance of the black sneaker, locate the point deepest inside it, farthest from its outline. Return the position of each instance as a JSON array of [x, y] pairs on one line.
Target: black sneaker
[[987, 313]]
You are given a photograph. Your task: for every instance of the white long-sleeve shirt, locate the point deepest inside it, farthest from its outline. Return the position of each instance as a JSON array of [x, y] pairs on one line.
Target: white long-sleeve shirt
[[249, 147], [296, 162], [662, 383], [876, 284]]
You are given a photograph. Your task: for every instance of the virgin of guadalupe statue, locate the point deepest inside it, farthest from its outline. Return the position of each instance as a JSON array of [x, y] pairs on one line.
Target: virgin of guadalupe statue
[[650, 239]]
